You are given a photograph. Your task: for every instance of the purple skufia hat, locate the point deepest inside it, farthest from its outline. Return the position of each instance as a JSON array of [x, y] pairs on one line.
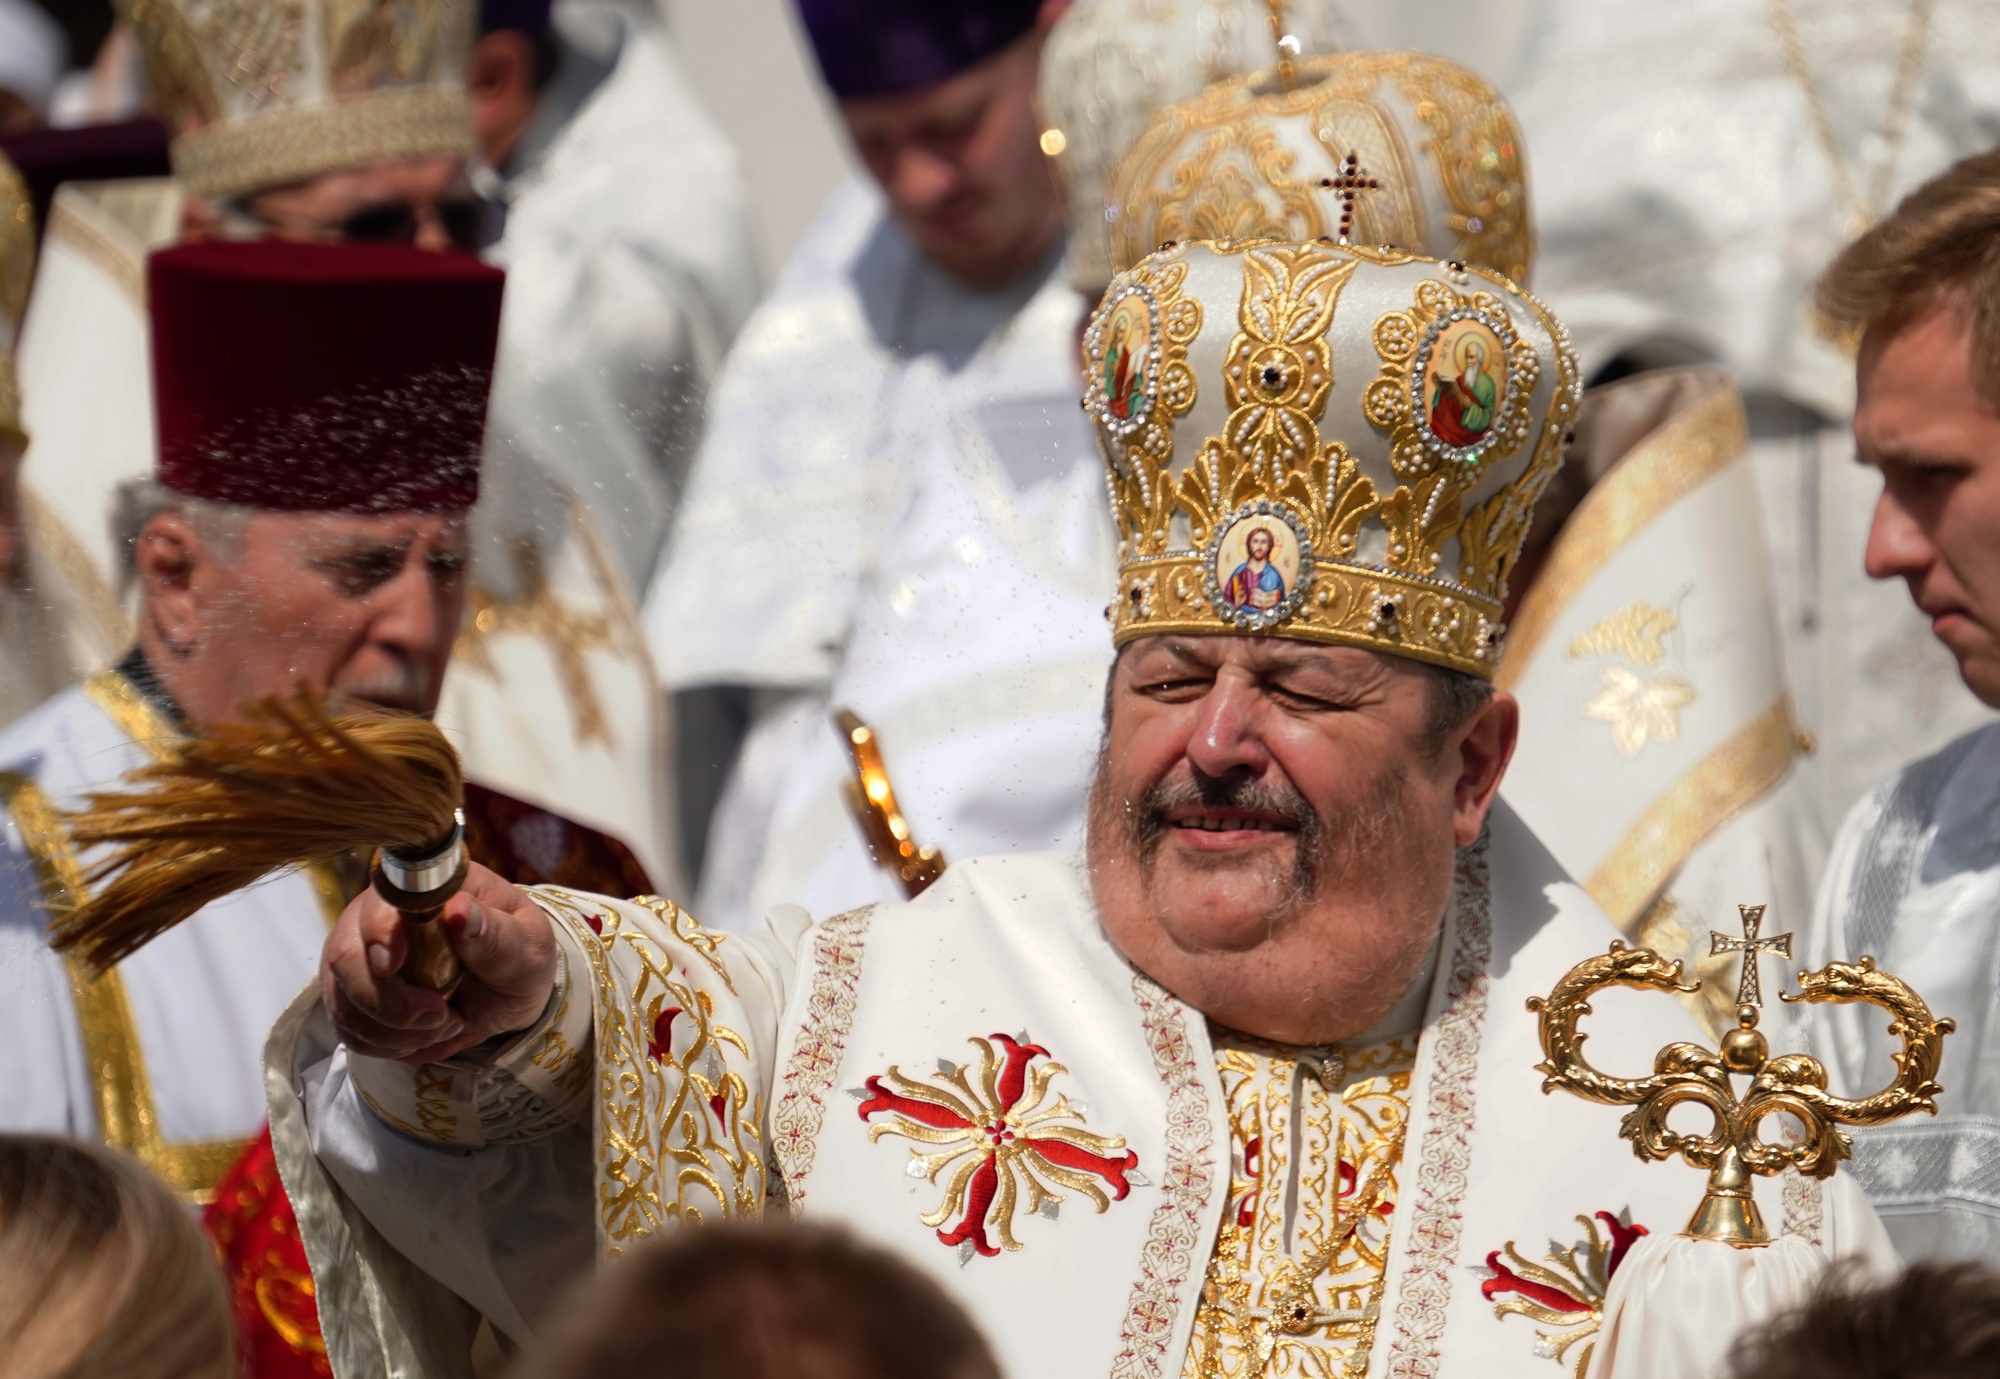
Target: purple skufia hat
[[881, 47], [529, 16]]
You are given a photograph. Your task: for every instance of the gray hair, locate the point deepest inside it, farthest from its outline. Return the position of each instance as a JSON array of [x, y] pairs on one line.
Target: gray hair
[[219, 526]]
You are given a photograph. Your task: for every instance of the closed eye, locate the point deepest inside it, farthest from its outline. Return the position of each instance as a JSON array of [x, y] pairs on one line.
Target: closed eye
[[1178, 691], [357, 574], [1302, 702]]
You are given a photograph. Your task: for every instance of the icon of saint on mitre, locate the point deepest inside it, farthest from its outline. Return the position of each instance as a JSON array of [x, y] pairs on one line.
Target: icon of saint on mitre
[[1466, 372], [1128, 346], [1257, 563]]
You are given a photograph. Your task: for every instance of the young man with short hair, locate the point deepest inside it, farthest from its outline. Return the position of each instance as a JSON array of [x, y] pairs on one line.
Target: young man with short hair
[[1914, 879]]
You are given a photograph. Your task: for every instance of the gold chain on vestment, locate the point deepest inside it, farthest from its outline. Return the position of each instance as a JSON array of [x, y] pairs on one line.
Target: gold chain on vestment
[[1862, 211]]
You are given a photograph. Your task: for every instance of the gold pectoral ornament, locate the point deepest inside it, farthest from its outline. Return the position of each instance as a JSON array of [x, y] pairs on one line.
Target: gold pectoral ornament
[[1792, 1084]]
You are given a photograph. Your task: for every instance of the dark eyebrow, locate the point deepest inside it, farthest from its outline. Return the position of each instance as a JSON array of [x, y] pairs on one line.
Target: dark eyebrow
[[1909, 457]]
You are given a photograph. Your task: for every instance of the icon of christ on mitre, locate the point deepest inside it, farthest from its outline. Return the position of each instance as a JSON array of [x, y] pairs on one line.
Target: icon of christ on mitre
[[1246, 1087], [1257, 582]]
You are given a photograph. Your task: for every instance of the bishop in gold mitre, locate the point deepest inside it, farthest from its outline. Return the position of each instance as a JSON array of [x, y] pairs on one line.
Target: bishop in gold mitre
[[1244, 1087]]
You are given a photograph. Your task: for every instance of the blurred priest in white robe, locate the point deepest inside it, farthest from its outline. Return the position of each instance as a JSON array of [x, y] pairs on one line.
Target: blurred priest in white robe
[[1248, 1086], [900, 411]]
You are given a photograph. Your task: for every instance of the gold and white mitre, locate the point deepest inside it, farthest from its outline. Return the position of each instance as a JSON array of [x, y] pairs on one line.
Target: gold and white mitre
[[1327, 442], [1110, 66], [1658, 756], [1438, 166], [264, 93]]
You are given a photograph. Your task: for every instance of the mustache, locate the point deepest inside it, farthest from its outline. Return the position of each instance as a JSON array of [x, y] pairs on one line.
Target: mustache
[[404, 685], [1329, 844], [1280, 800]]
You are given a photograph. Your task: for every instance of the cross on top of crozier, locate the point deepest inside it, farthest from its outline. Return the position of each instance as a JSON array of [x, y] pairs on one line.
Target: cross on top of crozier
[[1748, 990], [1351, 180]]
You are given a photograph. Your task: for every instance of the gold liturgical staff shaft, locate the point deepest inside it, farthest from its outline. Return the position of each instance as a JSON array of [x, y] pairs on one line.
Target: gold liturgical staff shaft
[[873, 801], [1793, 1084]]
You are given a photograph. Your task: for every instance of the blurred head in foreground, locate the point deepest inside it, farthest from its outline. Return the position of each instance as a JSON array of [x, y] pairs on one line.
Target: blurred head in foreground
[[320, 411], [770, 1301], [103, 1271], [1938, 1321], [1921, 293]]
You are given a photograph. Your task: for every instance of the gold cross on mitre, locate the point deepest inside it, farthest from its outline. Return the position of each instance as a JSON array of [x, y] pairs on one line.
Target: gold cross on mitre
[[1351, 180], [1748, 991]]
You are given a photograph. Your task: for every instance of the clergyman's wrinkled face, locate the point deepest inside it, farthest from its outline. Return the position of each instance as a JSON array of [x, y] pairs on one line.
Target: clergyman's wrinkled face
[[1273, 826], [355, 606]]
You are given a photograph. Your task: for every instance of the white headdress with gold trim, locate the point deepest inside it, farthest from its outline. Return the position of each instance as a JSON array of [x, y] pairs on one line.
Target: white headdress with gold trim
[[1110, 66], [1247, 159], [263, 93], [1386, 422]]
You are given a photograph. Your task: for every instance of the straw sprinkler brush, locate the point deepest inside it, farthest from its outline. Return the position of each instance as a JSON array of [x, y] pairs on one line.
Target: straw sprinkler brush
[[291, 786]]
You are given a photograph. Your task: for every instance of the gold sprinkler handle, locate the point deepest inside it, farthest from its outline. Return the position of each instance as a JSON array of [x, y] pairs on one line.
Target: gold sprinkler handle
[[418, 884]]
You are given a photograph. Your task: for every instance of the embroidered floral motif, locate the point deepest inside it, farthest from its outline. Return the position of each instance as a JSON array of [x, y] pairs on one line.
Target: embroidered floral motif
[[1803, 1199], [815, 1059], [999, 1140], [1180, 1229], [1445, 1153], [1566, 1293]]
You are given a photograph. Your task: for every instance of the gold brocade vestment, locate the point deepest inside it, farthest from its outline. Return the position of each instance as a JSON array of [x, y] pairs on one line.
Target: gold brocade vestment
[[1294, 1286]]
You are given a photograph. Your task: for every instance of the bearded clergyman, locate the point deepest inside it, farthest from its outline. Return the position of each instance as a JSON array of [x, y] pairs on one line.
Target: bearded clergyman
[[1247, 1087]]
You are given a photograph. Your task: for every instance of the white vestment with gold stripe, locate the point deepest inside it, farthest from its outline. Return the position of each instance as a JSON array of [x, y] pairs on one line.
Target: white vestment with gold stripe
[[1685, 204], [681, 1076], [161, 1056], [1659, 758]]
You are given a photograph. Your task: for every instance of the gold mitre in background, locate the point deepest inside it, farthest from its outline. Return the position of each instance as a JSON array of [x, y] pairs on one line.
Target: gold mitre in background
[[1249, 159], [1328, 442], [1110, 66], [264, 93]]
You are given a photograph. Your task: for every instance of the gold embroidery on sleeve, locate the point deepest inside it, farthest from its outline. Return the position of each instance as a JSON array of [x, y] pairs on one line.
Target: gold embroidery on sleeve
[[678, 1131]]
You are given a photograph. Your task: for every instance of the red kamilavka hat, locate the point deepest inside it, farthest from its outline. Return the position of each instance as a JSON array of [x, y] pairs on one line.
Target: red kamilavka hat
[[333, 378]]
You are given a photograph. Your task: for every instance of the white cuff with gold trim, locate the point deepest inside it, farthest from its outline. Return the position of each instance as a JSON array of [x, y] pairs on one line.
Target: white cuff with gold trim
[[532, 1085]]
